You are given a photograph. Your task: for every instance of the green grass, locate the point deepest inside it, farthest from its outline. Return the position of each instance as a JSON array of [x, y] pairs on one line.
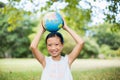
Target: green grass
[[98, 74], [19, 69], [20, 75], [30, 69]]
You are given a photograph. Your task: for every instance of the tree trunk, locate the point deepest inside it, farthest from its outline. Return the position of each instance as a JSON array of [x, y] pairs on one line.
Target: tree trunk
[[7, 54]]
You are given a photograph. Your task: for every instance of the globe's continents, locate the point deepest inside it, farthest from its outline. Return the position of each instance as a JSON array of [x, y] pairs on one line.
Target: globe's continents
[[53, 21]]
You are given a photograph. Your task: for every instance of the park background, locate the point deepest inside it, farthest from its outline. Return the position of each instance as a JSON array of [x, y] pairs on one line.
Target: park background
[[96, 21]]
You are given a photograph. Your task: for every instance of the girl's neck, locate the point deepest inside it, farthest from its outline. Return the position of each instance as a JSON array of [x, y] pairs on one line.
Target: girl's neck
[[56, 58]]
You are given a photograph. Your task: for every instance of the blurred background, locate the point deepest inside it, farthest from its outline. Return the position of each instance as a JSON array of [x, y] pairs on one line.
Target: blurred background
[[96, 21]]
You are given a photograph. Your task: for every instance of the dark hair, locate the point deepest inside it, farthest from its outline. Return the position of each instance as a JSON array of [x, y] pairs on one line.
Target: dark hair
[[53, 34]]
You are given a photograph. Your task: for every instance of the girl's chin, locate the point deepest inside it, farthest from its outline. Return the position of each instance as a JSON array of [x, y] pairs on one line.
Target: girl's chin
[[54, 54]]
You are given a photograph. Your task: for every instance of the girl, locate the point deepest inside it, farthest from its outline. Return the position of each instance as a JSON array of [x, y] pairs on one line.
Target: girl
[[56, 67]]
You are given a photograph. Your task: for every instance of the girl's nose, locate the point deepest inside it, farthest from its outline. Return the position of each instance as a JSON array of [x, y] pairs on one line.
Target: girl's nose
[[53, 47]]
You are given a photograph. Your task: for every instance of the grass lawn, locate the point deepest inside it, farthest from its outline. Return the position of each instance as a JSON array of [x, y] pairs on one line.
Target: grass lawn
[[83, 69]]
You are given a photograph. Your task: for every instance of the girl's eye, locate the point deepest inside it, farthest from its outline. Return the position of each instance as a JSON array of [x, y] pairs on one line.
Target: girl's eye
[[56, 44], [49, 44]]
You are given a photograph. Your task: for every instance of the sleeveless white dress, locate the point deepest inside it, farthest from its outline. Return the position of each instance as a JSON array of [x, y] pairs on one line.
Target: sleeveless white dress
[[56, 70]]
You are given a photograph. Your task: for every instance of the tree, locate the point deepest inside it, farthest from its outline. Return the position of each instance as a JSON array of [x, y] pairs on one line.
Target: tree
[[112, 16], [107, 40], [14, 15], [104, 35], [73, 9], [90, 49], [15, 43], [111, 11], [78, 18]]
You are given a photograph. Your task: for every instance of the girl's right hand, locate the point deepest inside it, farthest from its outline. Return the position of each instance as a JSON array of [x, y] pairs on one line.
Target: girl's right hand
[[42, 26]]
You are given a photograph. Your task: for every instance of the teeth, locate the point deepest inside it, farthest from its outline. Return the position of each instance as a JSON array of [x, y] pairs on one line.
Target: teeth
[[54, 51]]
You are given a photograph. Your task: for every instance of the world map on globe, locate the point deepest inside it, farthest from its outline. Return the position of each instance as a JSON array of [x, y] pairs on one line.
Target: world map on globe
[[53, 21]]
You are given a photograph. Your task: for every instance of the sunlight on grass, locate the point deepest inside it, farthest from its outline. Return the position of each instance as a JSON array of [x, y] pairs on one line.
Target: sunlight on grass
[[98, 74], [19, 65], [30, 69], [20, 69]]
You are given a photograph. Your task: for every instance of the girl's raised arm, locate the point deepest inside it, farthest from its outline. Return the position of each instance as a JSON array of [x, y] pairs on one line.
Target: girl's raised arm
[[34, 47], [79, 44]]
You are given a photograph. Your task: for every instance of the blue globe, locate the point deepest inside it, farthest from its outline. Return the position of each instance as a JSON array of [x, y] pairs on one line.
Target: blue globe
[[53, 21]]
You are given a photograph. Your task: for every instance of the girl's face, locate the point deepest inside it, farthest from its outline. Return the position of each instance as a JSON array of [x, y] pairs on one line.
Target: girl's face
[[54, 46]]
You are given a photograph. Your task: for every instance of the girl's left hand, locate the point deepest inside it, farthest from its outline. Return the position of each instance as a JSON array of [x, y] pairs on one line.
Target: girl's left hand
[[65, 25]]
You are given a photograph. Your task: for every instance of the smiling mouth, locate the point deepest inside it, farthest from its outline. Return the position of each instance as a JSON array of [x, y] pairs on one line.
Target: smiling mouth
[[54, 52]]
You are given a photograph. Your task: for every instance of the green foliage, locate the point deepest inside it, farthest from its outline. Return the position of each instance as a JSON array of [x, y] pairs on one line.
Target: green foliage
[[73, 12], [90, 49], [15, 29], [76, 17], [15, 43], [14, 16], [2, 5], [42, 45], [69, 43], [108, 41], [105, 36], [114, 10], [79, 22], [109, 53]]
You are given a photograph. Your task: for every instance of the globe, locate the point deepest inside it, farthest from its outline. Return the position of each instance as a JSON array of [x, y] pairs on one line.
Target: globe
[[53, 21]]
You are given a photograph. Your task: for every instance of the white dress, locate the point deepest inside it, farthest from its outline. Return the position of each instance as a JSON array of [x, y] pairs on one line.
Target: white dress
[[56, 70]]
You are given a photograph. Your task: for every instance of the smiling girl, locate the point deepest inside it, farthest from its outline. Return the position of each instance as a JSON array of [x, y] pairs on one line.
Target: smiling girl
[[56, 67]]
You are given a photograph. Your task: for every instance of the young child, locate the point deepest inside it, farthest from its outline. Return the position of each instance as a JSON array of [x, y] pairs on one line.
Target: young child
[[56, 67]]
